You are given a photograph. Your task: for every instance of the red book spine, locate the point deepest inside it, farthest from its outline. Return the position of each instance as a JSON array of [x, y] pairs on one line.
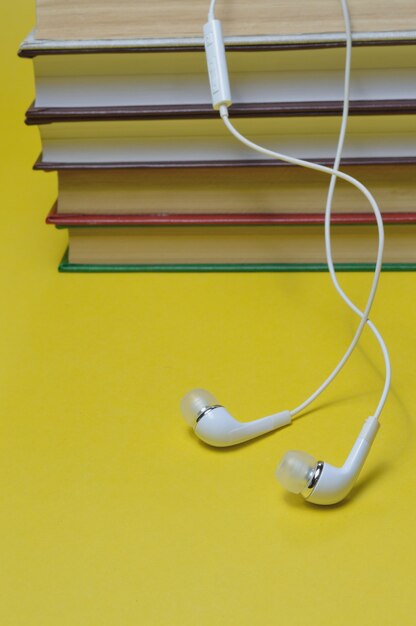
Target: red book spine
[[223, 219]]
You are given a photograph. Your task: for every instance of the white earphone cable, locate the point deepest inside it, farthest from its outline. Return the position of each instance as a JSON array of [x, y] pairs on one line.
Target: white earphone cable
[[335, 173], [211, 12], [328, 209]]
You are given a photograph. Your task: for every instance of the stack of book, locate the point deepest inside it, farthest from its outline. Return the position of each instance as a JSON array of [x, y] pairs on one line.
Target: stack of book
[[149, 177]]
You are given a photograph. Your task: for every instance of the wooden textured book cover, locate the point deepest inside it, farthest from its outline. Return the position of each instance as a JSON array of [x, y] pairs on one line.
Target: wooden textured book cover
[[106, 19]]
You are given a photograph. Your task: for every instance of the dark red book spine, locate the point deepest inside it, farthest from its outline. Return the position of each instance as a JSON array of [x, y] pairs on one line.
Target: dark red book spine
[[66, 220], [49, 115]]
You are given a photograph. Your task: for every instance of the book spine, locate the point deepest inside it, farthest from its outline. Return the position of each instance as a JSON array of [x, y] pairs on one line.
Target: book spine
[[32, 47], [55, 166], [67, 267], [68, 220], [49, 115]]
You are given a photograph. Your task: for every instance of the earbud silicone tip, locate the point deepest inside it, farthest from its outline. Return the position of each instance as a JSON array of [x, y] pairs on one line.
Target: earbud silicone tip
[[194, 403], [296, 470]]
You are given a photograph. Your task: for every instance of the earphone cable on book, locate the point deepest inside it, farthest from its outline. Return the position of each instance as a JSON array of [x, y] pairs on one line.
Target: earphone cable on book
[[335, 173], [211, 12]]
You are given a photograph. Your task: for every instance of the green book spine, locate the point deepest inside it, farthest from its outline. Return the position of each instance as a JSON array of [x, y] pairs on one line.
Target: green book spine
[[90, 268]]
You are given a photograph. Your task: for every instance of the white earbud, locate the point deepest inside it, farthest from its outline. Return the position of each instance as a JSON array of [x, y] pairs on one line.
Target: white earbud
[[322, 483], [215, 426]]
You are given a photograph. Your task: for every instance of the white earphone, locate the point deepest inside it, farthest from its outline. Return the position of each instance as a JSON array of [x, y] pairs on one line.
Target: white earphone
[[214, 425], [318, 482]]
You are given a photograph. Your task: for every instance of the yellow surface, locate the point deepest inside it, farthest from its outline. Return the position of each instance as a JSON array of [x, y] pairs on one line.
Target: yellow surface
[[111, 513]]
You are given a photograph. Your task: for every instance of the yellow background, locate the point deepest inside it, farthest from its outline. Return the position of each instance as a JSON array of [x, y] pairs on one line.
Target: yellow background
[[111, 512]]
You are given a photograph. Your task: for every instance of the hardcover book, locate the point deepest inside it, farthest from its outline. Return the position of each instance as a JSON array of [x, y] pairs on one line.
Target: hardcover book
[[106, 19], [207, 140], [220, 242], [105, 82], [231, 190]]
